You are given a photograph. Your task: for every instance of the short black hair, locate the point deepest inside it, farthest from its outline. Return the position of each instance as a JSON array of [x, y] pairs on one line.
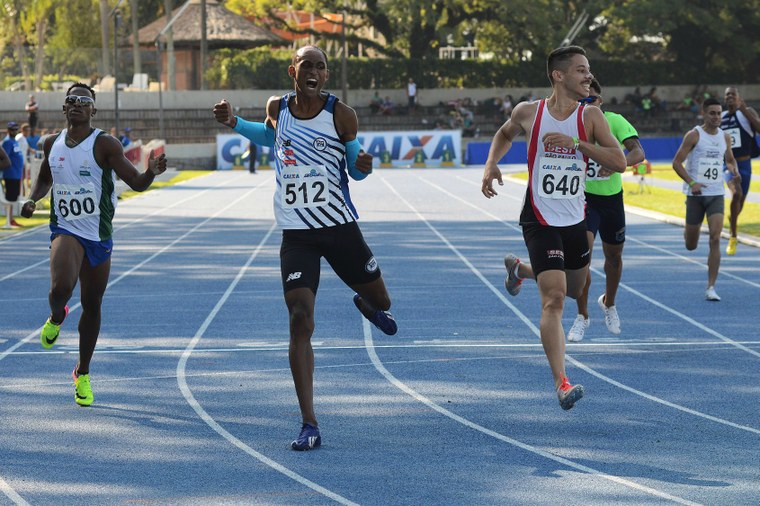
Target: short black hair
[[81, 85], [710, 101], [310, 46], [559, 57], [596, 86]]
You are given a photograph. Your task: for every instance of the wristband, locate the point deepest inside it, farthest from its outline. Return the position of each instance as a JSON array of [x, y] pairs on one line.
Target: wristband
[[31, 201], [691, 183], [576, 143]]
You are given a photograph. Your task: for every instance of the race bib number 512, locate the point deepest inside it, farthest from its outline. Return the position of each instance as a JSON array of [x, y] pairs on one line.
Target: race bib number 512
[[560, 178], [305, 186]]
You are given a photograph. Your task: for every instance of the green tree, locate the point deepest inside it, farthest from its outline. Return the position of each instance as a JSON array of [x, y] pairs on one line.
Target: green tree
[[702, 39]]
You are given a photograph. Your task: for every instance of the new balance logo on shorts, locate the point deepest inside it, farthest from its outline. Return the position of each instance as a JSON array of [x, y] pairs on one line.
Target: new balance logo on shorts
[[293, 276]]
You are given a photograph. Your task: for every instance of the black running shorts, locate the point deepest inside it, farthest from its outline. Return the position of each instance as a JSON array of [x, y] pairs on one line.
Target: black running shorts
[[605, 214], [561, 248], [342, 246]]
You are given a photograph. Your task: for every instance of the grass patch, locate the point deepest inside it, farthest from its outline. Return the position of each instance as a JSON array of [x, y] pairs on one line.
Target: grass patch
[[666, 173], [672, 202], [42, 213]]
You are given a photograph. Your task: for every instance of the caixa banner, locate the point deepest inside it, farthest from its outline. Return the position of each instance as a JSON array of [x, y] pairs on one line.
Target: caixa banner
[[232, 151], [418, 148]]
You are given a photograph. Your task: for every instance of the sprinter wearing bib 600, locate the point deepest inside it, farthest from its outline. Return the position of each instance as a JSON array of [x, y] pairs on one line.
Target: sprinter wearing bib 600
[[79, 169]]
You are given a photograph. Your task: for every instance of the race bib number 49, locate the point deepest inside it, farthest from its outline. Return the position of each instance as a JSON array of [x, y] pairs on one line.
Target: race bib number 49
[[560, 178], [709, 170], [74, 202], [305, 186]]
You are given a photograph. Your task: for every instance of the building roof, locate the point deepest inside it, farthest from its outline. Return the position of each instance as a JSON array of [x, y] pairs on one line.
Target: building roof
[[224, 28]]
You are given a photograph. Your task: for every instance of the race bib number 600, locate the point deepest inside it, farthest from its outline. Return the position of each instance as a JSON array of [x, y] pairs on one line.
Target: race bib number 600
[[560, 178], [74, 202], [305, 186]]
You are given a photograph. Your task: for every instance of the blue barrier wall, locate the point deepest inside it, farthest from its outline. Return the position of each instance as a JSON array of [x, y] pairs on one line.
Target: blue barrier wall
[[657, 149]]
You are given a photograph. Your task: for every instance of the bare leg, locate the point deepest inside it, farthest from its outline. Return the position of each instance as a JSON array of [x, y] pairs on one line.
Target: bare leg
[[300, 302], [613, 270], [582, 299], [715, 225], [374, 296], [92, 285], [66, 257], [552, 286]]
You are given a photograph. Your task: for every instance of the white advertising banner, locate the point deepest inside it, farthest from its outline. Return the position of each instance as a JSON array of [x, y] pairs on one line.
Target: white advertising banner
[[431, 148], [417, 148]]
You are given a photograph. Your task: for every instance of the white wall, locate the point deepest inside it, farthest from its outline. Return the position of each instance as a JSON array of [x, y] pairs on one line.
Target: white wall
[[15, 100]]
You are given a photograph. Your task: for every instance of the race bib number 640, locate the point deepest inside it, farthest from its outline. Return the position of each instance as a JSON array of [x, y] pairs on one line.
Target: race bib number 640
[[560, 178], [74, 202], [305, 186]]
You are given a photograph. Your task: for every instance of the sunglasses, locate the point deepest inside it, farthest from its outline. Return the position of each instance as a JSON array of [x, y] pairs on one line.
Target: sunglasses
[[79, 100], [589, 99]]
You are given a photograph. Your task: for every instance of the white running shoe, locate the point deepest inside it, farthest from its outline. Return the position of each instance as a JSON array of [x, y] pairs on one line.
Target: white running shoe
[[578, 330], [711, 294], [611, 318]]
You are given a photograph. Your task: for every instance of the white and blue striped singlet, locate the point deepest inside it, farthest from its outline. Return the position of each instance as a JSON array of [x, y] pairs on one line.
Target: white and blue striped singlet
[[310, 160]]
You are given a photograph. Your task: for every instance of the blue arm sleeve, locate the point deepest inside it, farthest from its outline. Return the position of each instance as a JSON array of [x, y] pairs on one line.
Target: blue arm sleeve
[[352, 152], [255, 132]]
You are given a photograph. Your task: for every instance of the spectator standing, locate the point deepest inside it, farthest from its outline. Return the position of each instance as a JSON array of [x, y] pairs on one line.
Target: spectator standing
[[411, 94], [742, 123], [705, 149], [23, 145], [126, 139], [375, 103], [32, 109], [13, 175]]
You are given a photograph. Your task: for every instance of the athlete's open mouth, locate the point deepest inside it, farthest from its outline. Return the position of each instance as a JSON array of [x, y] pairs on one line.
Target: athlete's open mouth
[[311, 83]]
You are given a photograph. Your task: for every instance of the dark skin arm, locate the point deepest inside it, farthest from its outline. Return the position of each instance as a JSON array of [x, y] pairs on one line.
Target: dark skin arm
[[43, 183], [108, 153], [5, 161], [346, 124]]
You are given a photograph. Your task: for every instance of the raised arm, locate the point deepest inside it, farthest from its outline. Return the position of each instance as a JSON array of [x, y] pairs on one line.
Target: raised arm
[[110, 153], [358, 163]]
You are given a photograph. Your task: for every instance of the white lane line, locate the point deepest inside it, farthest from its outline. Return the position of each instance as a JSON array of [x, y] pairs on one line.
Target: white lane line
[[514, 442], [36, 332], [12, 494], [536, 331], [703, 265], [693, 347], [622, 285], [187, 393], [76, 306], [138, 220]]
